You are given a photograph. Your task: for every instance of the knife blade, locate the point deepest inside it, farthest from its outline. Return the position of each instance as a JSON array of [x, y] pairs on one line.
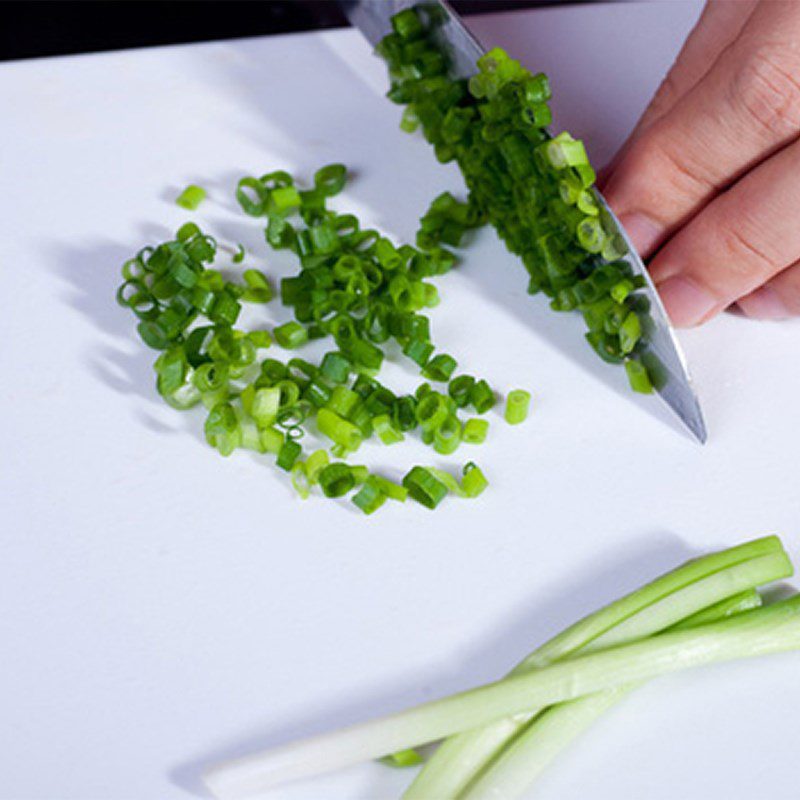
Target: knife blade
[[661, 351]]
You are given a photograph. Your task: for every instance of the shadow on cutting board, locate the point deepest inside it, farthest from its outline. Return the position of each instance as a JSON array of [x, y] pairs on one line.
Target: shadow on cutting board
[[91, 276], [395, 198], [544, 615]]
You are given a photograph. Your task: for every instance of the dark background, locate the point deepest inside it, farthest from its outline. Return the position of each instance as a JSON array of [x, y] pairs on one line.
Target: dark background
[[30, 28]]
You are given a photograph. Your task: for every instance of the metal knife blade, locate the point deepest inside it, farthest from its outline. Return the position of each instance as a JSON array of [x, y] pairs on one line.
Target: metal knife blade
[[662, 352]]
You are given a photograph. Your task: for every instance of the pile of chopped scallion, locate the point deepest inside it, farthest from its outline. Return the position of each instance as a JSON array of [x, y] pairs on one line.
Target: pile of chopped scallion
[[354, 287], [536, 190]]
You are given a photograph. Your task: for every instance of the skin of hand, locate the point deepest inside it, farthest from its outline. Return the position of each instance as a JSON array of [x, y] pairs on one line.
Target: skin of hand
[[708, 183]]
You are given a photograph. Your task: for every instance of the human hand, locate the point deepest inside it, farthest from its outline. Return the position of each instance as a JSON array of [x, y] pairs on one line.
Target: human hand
[[709, 181]]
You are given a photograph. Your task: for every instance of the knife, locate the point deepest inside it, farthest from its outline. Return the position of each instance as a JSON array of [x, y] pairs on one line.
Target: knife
[[661, 353]]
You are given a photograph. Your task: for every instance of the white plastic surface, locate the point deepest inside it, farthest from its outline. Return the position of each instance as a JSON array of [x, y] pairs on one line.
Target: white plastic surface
[[161, 608]]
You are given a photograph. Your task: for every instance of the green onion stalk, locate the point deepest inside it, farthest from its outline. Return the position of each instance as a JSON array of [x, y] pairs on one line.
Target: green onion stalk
[[587, 659]]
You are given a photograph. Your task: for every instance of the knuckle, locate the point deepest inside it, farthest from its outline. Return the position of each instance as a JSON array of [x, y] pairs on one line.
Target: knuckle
[[766, 88], [681, 174], [665, 95], [746, 253]]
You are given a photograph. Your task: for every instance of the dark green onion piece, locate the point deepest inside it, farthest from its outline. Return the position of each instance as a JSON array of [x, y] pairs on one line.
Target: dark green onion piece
[[288, 454], [424, 487], [482, 397], [460, 388], [336, 480]]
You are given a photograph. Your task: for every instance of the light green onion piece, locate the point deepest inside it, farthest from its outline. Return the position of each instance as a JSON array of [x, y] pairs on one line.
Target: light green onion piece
[[191, 197], [265, 406], [638, 377], [290, 335], [394, 491], [369, 498], [360, 473], [300, 480], [258, 287], [315, 463], [474, 481], [272, 440], [385, 429], [402, 758], [517, 405], [338, 430], [475, 431]]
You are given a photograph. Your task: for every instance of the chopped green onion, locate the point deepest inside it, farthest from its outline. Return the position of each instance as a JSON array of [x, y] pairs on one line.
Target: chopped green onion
[[338, 430], [482, 397], [402, 758], [272, 440], [369, 497], [517, 405], [440, 368], [191, 197], [315, 463], [638, 377], [385, 429], [474, 481], [460, 388], [447, 436], [288, 454], [258, 288], [222, 429], [336, 480], [392, 490], [475, 431], [290, 335], [424, 487], [300, 480]]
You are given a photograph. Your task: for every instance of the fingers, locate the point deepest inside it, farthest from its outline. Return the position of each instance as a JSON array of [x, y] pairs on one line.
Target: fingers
[[746, 107], [779, 298], [719, 24], [745, 237]]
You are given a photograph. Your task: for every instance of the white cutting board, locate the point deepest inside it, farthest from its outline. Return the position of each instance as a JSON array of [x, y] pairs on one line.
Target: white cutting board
[[161, 608]]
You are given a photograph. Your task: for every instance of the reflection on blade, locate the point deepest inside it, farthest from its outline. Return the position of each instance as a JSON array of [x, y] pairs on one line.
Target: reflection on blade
[[662, 355]]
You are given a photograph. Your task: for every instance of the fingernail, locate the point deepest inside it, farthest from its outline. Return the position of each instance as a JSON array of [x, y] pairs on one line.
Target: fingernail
[[642, 231], [764, 303], [687, 303]]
